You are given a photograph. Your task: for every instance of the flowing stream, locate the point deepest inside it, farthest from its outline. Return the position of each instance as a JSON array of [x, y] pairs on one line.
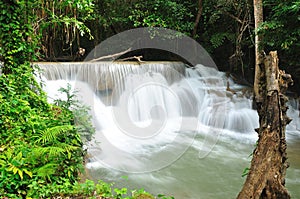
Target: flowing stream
[[185, 132]]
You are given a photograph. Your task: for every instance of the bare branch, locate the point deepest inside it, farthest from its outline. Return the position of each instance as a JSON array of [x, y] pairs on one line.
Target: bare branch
[[112, 56], [138, 58]]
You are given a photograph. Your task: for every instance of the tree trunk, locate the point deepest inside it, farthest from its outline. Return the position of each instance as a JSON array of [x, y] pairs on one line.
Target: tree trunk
[[197, 20], [258, 19], [266, 178]]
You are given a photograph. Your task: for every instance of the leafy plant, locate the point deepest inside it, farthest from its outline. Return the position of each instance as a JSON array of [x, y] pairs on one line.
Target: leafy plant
[[120, 192], [279, 31], [104, 189], [141, 194], [65, 22], [80, 112], [87, 188], [41, 149], [245, 172]]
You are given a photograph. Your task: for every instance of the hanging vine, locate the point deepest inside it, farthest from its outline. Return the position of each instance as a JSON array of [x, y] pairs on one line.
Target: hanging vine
[[61, 25]]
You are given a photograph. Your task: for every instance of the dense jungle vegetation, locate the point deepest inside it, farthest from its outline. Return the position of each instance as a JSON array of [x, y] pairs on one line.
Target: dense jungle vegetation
[[225, 28], [41, 152]]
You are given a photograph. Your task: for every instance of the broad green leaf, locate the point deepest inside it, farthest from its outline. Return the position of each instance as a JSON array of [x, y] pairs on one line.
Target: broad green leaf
[[15, 170], [20, 172], [28, 172]]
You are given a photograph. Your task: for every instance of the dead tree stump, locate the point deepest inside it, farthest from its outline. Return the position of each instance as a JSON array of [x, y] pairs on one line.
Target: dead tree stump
[[266, 177]]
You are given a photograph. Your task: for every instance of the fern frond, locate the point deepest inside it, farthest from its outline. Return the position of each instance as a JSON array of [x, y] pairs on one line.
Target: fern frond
[[51, 134], [54, 151], [46, 170], [67, 147]]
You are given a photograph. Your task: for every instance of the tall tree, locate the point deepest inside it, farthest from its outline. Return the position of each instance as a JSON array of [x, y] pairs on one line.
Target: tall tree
[[266, 178], [197, 20], [258, 19]]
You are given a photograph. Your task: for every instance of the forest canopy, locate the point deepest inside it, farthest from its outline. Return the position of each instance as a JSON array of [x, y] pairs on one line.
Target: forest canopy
[[224, 28]]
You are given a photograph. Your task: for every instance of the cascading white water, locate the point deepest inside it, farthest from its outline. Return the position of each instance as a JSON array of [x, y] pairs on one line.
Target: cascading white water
[[174, 126]]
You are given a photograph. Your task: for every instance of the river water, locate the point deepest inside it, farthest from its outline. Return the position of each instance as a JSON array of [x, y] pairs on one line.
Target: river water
[[169, 129]]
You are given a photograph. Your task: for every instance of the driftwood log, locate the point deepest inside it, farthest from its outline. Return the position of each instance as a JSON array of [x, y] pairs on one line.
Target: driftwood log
[[266, 177]]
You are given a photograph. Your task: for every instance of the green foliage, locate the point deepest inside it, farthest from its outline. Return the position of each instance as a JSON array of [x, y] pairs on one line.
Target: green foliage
[[141, 194], [279, 30], [120, 192], [16, 35], [226, 28], [218, 39], [104, 189], [112, 15], [40, 146], [52, 135], [82, 117], [222, 22], [86, 189], [90, 189], [65, 21], [171, 14], [245, 172], [36, 145]]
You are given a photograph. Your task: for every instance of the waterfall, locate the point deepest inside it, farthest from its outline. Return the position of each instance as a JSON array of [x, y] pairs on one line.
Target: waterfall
[[199, 91], [177, 90], [145, 107], [160, 91], [162, 122]]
